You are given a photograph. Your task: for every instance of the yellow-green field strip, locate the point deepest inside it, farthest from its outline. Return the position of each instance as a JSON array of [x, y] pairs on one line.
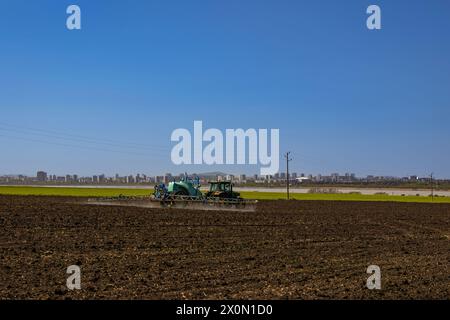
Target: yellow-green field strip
[[112, 192]]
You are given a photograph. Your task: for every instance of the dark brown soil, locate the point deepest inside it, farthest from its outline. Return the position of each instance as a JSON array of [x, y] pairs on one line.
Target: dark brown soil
[[295, 250]]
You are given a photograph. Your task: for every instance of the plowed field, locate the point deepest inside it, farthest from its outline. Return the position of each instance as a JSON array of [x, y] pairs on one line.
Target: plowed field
[[295, 250]]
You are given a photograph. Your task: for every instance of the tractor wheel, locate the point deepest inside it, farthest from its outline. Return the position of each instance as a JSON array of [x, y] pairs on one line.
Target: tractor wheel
[[171, 202], [180, 197]]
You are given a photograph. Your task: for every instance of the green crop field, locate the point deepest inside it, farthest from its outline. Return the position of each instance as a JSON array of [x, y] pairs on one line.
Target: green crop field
[[73, 192], [343, 197], [112, 192]]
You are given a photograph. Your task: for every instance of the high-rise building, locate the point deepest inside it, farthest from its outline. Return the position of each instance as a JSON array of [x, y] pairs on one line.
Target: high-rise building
[[167, 178], [335, 177], [130, 179], [41, 176]]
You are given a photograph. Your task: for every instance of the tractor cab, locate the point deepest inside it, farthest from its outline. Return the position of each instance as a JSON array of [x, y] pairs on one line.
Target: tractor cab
[[222, 189], [225, 186]]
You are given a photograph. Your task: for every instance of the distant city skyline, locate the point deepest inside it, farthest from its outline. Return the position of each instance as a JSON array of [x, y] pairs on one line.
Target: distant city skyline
[[235, 173], [349, 176]]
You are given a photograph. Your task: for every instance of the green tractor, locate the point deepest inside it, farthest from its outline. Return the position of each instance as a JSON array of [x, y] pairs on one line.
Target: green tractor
[[186, 187], [222, 190], [187, 191], [181, 192]]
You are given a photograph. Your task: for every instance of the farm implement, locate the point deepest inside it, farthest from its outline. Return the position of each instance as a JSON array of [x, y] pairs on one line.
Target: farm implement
[[187, 192], [184, 194]]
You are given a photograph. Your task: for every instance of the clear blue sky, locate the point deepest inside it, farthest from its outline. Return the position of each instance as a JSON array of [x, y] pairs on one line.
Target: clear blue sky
[[105, 99]]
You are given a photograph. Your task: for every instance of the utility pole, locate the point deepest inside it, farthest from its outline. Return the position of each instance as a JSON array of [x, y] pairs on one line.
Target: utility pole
[[432, 187], [287, 157]]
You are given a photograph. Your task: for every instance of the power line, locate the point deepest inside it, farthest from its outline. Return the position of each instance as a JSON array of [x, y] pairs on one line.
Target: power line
[[70, 139], [75, 146], [79, 138]]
